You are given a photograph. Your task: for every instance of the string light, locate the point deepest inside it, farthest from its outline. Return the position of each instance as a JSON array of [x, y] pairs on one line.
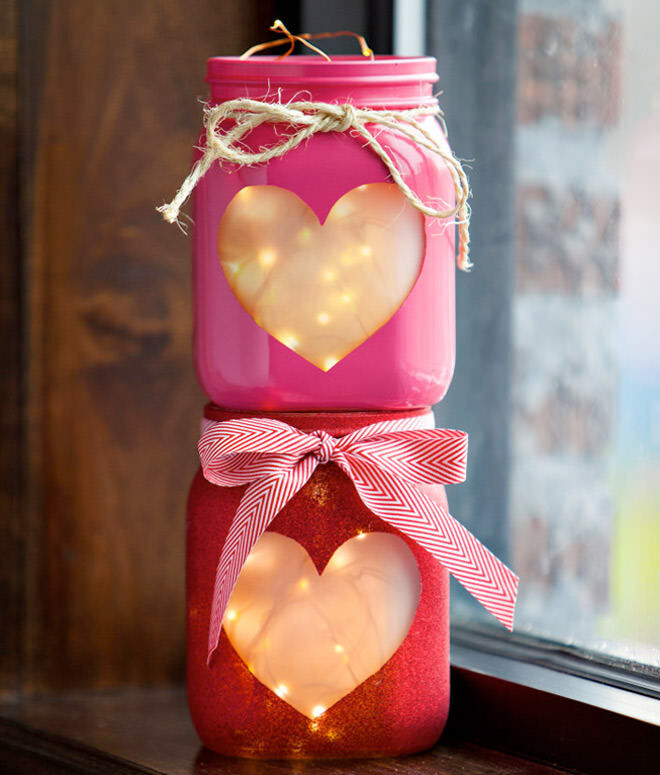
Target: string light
[[329, 275], [269, 241], [342, 208], [329, 362], [361, 535], [289, 340], [267, 257], [282, 690], [231, 615], [318, 710], [339, 648], [303, 584]]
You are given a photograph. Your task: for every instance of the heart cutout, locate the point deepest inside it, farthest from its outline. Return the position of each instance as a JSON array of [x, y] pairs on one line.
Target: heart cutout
[[314, 638], [321, 289]]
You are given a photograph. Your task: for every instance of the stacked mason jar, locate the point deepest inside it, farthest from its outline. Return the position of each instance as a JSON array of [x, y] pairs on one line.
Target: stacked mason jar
[[325, 300]]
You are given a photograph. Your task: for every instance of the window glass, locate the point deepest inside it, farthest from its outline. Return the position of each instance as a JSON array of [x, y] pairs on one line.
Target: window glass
[[584, 496]]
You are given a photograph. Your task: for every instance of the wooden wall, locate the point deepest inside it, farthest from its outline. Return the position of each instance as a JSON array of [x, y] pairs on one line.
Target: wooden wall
[[98, 112]]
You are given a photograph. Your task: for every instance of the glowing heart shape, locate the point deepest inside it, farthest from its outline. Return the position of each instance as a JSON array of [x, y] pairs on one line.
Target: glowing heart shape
[[314, 638], [321, 289]]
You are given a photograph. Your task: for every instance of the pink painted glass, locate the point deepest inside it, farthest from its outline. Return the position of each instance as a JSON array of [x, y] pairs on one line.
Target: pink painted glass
[[317, 286]]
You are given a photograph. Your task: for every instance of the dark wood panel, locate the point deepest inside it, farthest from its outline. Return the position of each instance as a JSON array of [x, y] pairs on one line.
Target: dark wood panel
[[110, 115], [150, 731], [11, 536]]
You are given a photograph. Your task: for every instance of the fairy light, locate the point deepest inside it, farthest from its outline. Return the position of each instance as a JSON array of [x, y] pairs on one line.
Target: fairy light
[[323, 318], [342, 208], [267, 257], [289, 340], [329, 362], [233, 267], [366, 250], [305, 234], [341, 662], [347, 298], [329, 275]]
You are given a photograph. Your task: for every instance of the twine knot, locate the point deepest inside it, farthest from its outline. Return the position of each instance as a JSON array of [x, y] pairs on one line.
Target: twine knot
[[337, 118], [326, 446]]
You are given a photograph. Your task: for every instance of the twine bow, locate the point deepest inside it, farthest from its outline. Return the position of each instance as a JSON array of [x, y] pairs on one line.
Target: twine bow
[[385, 461], [228, 123]]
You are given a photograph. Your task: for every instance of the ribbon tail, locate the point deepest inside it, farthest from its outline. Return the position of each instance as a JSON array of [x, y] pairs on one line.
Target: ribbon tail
[[431, 526], [260, 504]]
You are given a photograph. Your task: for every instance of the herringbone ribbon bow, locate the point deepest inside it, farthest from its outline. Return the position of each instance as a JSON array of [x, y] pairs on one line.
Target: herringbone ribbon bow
[[385, 461]]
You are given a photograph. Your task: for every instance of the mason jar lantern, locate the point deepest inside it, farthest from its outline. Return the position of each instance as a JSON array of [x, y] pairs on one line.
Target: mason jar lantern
[[317, 284], [319, 541]]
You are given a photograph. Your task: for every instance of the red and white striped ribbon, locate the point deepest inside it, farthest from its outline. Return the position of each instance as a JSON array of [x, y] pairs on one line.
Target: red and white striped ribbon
[[385, 461]]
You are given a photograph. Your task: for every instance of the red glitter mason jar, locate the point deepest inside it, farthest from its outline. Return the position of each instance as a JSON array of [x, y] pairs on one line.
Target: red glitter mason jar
[[335, 642]]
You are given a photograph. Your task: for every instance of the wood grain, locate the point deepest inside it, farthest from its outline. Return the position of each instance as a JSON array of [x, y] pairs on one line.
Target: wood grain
[[110, 115], [11, 536]]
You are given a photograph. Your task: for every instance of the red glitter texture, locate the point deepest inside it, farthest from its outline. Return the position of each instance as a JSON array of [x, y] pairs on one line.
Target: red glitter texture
[[400, 709]]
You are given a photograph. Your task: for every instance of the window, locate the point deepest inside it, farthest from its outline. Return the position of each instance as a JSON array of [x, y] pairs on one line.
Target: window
[[558, 370]]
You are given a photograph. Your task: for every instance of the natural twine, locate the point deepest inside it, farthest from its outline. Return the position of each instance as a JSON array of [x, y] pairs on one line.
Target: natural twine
[[308, 118]]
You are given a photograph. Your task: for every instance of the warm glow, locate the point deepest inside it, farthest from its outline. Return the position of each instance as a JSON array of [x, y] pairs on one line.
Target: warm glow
[[288, 339], [231, 615], [321, 289], [328, 363], [267, 257], [312, 649]]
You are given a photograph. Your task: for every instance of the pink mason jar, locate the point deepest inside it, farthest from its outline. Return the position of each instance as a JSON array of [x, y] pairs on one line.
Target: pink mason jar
[[317, 285]]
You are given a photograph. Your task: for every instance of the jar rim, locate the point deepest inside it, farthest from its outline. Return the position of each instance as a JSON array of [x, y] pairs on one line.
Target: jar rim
[[386, 79], [344, 67]]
